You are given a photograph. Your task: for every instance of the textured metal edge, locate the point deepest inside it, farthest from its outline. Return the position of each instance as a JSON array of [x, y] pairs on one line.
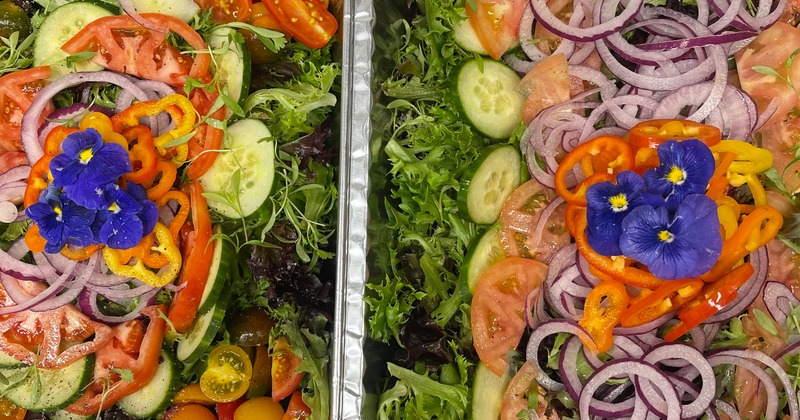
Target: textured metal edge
[[347, 367]]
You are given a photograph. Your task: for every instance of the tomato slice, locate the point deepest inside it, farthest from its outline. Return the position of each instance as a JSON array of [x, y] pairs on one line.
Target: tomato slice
[[125, 46], [497, 317], [519, 218], [285, 377], [496, 22], [225, 410], [545, 85], [108, 387], [515, 399], [184, 305], [208, 139], [228, 374], [307, 20], [226, 11], [297, 410], [17, 91]]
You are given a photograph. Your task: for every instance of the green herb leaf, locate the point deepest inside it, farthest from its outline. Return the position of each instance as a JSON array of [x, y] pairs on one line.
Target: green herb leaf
[[181, 140], [71, 60], [273, 40], [124, 374], [765, 321], [766, 70]]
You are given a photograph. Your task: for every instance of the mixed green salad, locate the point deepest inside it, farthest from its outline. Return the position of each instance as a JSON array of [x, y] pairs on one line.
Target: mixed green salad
[[167, 195], [585, 210]]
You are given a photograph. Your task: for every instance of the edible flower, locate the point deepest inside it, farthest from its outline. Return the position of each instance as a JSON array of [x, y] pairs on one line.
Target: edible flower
[[686, 244], [607, 206], [128, 218], [61, 221], [86, 165], [685, 168]]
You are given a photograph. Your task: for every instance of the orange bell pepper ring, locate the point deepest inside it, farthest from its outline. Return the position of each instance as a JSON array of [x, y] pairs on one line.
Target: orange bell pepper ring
[[34, 240], [667, 298], [601, 313], [169, 173], [80, 254], [142, 153], [102, 124], [38, 180], [650, 134], [756, 230], [714, 297], [599, 159], [52, 143], [183, 211]]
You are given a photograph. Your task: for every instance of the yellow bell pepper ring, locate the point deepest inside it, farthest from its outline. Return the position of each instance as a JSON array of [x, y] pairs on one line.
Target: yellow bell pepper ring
[[749, 159], [166, 247]]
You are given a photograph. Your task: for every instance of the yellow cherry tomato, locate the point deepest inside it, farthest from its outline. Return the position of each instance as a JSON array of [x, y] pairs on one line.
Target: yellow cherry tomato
[[189, 412], [259, 408], [228, 374]]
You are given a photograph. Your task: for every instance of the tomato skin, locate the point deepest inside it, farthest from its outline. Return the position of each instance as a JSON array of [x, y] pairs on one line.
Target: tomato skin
[[497, 314], [515, 398], [143, 367], [297, 410], [9, 411], [184, 305], [228, 374], [496, 23], [261, 408], [285, 377], [225, 410], [307, 20], [142, 53], [189, 412], [191, 394], [226, 11], [17, 91], [261, 382]]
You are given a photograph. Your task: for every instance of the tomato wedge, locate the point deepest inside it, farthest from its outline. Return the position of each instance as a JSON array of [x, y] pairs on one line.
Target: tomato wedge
[[297, 410], [142, 365], [285, 377], [497, 317], [309, 21], [496, 22], [225, 11], [125, 46], [515, 399], [198, 261]]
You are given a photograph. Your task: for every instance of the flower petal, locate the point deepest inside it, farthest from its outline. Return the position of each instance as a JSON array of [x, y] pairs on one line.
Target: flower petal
[[92, 196], [108, 163], [79, 141], [122, 231], [148, 216], [65, 170], [123, 201]]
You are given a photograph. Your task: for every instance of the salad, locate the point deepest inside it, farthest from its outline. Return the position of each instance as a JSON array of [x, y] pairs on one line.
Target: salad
[[167, 187], [586, 210]]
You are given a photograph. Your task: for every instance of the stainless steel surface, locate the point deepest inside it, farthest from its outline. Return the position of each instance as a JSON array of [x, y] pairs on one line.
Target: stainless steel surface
[[347, 364]]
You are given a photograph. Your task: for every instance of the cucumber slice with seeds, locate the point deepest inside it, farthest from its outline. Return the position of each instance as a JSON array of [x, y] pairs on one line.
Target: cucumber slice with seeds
[[483, 253], [58, 388], [486, 97], [488, 182]]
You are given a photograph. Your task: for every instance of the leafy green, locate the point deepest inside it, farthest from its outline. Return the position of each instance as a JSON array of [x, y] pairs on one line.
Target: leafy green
[[731, 335], [311, 345], [390, 304], [419, 396], [298, 106], [16, 54], [765, 321]]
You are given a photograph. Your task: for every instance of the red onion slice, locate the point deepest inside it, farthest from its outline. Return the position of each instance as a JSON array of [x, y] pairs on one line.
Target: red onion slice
[[129, 9], [537, 336], [88, 304], [749, 290], [600, 29], [19, 269], [763, 376], [682, 351], [779, 300], [73, 290], [29, 129]]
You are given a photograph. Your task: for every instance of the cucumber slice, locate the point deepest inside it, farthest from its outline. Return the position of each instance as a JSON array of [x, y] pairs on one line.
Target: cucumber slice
[[7, 361], [57, 28], [484, 252], [181, 9], [488, 182], [232, 62], [487, 98], [487, 393], [157, 395], [202, 333], [58, 387], [467, 39], [66, 415], [255, 161], [217, 274]]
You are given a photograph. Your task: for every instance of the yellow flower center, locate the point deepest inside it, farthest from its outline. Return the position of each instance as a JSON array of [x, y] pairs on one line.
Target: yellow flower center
[[676, 175], [114, 208], [619, 202], [665, 236], [57, 211], [85, 156]]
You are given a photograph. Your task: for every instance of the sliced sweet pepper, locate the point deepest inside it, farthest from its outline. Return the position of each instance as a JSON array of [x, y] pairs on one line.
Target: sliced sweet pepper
[[166, 247], [183, 211], [667, 298], [38, 180], [599, 159], [601, 313], [650, 134], [714, 297], [102, 123], [169, 173], [142, 154]]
